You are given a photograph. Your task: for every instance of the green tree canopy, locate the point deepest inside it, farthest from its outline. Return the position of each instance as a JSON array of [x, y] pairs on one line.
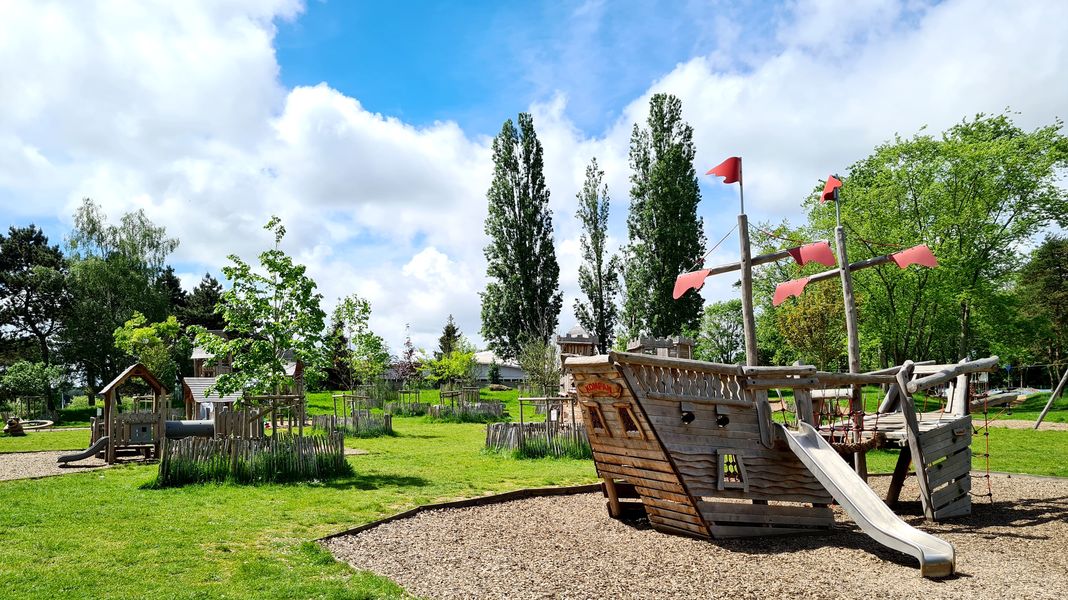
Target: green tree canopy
[[720, 337], [25, 378], [115, 270], [1043, 290], [599, 273], [974, 195], [200, 307], [360, 354], [665, 234], [272, 313], [160, 346], [456, 367], [33, 288], [522, 299], [450, 337]]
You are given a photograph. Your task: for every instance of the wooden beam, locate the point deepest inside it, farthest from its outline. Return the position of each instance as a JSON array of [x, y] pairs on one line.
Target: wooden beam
[[1052, 398], [973, 366]]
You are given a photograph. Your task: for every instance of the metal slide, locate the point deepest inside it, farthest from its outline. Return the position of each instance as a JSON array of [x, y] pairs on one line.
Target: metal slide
[[937, 557], [84, 454]]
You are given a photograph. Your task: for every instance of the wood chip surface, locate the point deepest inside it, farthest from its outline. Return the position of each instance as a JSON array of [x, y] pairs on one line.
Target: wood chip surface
[[568, 547], [25, 465]]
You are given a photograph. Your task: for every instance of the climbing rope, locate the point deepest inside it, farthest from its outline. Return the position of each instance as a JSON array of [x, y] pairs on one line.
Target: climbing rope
[[986, 435]]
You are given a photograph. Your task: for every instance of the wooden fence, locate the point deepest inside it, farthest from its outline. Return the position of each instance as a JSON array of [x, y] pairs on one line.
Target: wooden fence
[[277, 458], [478, 409], [511, 436], [244, 424], [361, 423]]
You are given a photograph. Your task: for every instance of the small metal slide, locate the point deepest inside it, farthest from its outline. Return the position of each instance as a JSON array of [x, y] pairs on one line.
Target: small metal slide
[[937, 557], [84, 454]]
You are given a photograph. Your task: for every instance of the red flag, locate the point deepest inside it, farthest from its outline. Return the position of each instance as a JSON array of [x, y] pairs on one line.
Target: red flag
[[730, 170], [917, 255], [828, 189], [789, 288], [816, 251], [693, 279]]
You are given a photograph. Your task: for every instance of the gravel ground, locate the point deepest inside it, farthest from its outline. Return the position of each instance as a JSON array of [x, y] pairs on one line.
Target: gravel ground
[[24, 465], [1018, 424], [568, 547]]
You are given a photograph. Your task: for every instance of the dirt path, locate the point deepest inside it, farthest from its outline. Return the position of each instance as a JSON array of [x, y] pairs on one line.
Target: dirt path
[[1018, 424]]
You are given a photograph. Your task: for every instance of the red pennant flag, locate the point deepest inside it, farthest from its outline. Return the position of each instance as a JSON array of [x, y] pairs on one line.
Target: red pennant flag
[[828, 189], [816, 251], [917, 255], [693, 279], [730, 170], [789, 288]]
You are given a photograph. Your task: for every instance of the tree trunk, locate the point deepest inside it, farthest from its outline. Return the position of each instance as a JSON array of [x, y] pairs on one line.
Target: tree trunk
[[965, 330]]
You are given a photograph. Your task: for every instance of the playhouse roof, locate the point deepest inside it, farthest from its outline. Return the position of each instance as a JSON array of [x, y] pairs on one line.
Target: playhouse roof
[[135, 370]]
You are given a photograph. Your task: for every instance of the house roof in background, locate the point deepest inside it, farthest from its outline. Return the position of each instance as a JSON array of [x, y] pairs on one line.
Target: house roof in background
[[198, 386]]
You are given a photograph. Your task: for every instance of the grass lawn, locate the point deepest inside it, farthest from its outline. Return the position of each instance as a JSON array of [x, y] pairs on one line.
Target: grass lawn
[[34, 441], [1012, 450], [321, 403], [1032, 407], [99, 535]]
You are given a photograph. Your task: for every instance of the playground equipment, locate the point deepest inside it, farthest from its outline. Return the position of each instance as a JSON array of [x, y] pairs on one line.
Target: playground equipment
[[695, 440], [690, 439], [142, 429]]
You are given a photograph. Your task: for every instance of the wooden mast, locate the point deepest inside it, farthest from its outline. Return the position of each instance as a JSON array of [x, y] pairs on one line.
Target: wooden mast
[[856, 398]]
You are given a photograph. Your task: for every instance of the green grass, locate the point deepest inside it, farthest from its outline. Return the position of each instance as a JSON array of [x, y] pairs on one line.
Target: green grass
[[99, 535], [321, 403], [1012, 450], [35, 441], [1032, 407]]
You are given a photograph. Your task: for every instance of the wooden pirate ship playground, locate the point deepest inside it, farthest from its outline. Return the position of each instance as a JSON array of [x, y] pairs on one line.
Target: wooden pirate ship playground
[[699, 445]]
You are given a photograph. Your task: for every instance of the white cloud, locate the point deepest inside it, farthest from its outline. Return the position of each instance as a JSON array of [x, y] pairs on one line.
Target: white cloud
[[177, 108]]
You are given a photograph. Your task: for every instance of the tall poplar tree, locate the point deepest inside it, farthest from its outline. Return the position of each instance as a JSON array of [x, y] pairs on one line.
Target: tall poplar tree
[[665, 234], [522, 301], [599, 275]]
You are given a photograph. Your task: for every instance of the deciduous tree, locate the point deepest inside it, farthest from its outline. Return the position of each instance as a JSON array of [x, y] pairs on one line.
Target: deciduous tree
[[599, 273], [271, 313], [666, 236], [974, 194], [522, 299]]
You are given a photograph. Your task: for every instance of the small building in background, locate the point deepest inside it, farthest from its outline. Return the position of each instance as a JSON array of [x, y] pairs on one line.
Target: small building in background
[[510, 371]]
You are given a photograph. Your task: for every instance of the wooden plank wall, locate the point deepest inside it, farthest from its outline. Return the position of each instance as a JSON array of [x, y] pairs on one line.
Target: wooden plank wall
[[678, 461], [948, 456], [637, 458]]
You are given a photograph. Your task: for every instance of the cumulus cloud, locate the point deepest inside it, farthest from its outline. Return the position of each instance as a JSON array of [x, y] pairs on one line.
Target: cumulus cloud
[[177, 108]]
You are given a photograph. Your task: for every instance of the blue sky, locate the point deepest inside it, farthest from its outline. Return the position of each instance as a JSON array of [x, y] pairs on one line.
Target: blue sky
[[478, 63], [366, 125]]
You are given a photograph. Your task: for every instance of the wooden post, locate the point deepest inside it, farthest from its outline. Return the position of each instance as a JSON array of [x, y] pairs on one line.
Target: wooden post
[[856, 400], [1052, 398], [748, 318], [109, 403]]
